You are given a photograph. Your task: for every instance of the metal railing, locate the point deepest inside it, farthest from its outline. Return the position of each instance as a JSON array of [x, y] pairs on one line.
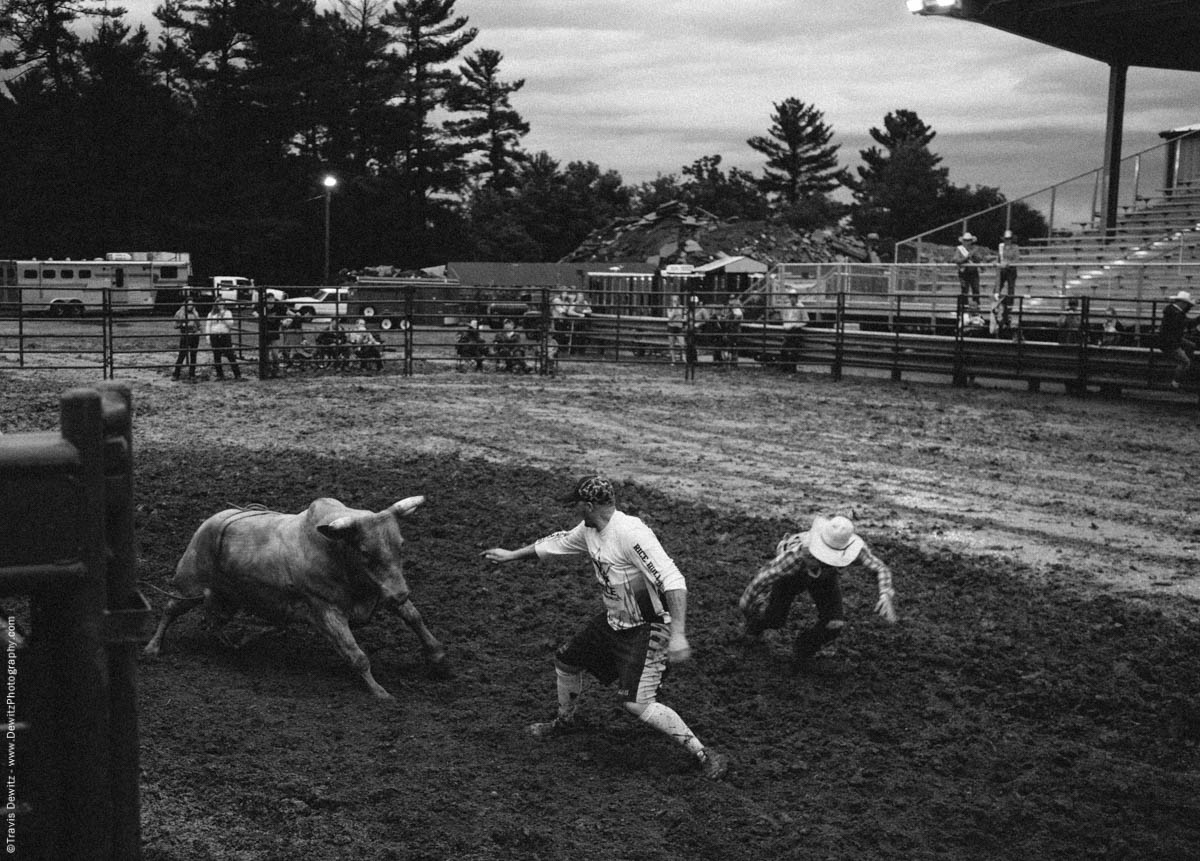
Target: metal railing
[[917, 308], [1071, 203]]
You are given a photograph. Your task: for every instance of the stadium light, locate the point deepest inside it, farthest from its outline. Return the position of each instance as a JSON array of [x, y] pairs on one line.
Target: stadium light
[[935, 7], [329, 182]]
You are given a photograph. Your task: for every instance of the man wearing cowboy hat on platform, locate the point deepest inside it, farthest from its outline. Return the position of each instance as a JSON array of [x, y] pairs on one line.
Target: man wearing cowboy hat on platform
[[1175, 335], [812, 562], [967, 258]]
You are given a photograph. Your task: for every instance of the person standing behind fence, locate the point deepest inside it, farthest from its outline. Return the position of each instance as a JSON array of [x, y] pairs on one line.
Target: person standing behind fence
[[187, 322], [731, 329], [218, 325], [794, 317], [675, 320], [1173, 335], [1009, 255], [1006, 288], [273, 320], [967, 258]]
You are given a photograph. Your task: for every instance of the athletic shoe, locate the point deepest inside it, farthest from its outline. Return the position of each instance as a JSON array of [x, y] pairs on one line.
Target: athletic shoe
[[552, 728], [713, 764]]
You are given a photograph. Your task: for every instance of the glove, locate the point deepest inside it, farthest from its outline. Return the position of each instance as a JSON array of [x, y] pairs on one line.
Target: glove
[[884, 607]]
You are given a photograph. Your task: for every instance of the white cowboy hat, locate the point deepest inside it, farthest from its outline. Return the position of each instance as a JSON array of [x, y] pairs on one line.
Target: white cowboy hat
[[832, 541], [966, 237], [1184, 295]]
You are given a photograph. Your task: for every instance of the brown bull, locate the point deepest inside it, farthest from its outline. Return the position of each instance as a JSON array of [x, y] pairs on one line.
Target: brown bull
[[329, 565]]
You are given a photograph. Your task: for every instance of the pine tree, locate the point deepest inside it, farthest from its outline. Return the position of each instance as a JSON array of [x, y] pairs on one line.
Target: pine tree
[[801, 162], [429, 37], [900, 188], [496, 129]]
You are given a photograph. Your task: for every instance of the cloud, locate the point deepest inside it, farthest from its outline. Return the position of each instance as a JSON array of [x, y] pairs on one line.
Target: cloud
[[645, 88]]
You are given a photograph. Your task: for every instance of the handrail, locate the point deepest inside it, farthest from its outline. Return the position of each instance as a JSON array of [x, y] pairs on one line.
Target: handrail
[[1097, 172]]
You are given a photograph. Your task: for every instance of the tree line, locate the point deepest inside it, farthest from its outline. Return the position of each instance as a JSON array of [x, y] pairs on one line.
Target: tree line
[[214, 138]]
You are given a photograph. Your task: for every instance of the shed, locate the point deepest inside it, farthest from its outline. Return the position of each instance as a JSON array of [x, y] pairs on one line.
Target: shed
[[731, 276]]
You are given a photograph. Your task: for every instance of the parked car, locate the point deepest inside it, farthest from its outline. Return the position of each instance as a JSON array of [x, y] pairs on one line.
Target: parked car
[[325, 303], [249, 295]]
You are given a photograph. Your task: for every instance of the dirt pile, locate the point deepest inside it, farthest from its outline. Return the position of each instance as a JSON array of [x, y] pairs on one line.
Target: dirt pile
[[675, 232]]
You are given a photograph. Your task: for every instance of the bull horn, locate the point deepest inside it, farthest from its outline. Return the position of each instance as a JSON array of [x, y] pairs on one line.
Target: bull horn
[[407, 506]]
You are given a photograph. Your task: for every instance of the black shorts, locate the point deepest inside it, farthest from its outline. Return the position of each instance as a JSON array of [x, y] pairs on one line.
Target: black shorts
[[635, 658]]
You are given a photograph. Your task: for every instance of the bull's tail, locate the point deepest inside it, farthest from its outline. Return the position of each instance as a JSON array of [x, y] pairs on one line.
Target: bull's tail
[[172, 595]]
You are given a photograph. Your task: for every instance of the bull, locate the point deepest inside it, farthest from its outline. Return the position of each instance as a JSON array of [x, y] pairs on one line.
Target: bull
[[329, 565]]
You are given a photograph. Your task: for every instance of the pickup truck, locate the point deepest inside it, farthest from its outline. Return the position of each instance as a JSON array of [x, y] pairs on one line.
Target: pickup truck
[[325, 303]]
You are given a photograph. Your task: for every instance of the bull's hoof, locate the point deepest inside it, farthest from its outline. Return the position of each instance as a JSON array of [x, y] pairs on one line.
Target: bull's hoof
[[152, 650], [440, 668]]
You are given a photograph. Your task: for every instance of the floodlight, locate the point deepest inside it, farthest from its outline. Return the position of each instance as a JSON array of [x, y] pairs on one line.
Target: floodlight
[[935, 7]]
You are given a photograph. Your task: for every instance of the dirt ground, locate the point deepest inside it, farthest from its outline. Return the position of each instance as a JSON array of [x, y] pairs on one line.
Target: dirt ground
[[1040, 697]]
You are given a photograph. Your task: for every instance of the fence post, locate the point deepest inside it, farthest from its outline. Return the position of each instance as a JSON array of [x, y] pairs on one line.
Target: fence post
[[108, 360], [960, 375], [127, 613], [690, 355], [839, 338], [409, 303], [896, 340], [1082, 378], [74, 717]]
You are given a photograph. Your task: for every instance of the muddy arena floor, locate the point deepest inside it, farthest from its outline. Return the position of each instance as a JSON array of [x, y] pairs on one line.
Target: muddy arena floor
[[1039, 699]]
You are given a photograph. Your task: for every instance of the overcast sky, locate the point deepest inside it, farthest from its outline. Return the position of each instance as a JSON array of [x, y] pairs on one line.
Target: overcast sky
[[644, 87], [647, 87]]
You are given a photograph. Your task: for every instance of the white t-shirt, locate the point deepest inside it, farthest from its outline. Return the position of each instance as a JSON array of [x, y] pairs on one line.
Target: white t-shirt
[[634, 571]]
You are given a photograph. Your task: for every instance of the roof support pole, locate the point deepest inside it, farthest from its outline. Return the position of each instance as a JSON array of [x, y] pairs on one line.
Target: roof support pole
[[1114, 129]]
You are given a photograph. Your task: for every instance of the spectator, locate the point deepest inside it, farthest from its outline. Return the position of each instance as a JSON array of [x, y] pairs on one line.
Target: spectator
[[731, 330], [1112, 329], [367, 348], [1175, 335], [675, 322], [578, 313], [273, 319], [973, 324], [331, 345], [794, 317], [218, 325], [509, 349], [292, 337], [641, 629], [967, 258], [187, 323], [470, 347], [812, 562], [1009, 255], [1068, 323], [999, 318]]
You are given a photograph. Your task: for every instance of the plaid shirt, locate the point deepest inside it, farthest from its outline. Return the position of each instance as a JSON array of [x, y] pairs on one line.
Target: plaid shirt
[[793, 559]]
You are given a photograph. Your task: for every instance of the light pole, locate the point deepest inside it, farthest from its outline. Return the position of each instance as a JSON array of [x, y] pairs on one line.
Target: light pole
[[329, 182]]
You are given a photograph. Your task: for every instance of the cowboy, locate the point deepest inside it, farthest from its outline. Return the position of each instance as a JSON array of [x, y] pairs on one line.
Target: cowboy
[[1175, 335], [812, 562], [967, 258]]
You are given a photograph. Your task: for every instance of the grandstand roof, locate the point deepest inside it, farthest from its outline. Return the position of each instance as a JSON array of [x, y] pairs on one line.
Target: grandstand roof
[[1160, 34]]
